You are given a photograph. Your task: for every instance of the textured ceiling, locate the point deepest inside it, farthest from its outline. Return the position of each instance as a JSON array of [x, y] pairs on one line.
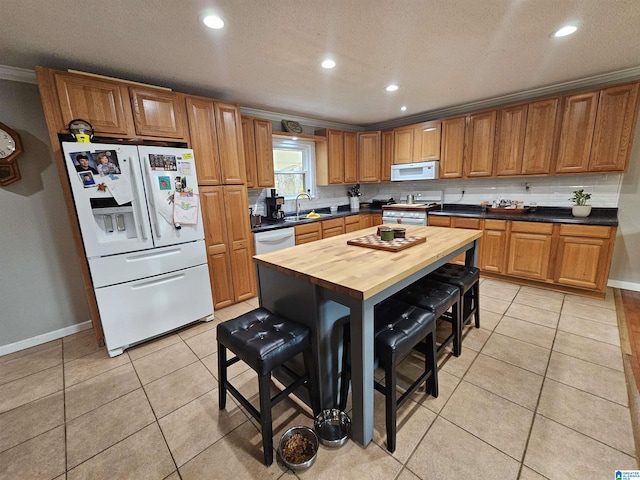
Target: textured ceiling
[[442, 52]]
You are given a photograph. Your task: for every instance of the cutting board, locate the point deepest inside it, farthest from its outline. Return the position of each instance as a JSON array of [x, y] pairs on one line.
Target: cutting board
[[395, 245]]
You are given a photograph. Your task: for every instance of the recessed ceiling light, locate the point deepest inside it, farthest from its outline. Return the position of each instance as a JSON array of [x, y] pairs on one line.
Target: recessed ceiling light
[[403, 108], [328, 63], [392, 88], [294, 138], [566, 30], [213, 21]]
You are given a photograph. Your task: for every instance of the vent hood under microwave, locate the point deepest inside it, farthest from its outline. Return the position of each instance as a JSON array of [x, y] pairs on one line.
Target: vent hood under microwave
[[414, 171]]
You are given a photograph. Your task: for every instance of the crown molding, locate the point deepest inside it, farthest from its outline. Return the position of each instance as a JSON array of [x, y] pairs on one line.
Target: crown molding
[[620, 76], [312, 122], [16, 74]]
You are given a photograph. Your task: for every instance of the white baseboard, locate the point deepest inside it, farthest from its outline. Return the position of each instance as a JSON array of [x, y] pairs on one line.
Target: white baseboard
[[44, 338], [624, 285]]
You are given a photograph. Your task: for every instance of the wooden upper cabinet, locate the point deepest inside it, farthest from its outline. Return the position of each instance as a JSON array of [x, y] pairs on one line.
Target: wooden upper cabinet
[[229, 134], [614, 128], [417, 143], [336, 156], [158, 113], [369, 144], [258, 152], [204, 139], [249, 146], [403, 145], [539, 139], [479, 144], [103, 103], [426, 141], [350, 142], [576, 132], [263, 133], [387, 155], [452, 147], [512, 124], [338, 161]]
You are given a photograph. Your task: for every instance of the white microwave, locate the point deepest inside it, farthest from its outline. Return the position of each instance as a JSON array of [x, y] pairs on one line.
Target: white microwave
[[414, 171]]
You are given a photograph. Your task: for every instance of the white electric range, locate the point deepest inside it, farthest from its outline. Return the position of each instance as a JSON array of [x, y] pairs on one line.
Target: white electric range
[[412, 213]]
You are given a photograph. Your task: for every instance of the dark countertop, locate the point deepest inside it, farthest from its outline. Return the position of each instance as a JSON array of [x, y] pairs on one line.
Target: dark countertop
[[599, 216], [343, 211]]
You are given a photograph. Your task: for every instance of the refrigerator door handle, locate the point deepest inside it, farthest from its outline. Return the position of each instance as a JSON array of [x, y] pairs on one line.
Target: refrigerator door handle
[[155, 283], [150, 200], [134, 184]]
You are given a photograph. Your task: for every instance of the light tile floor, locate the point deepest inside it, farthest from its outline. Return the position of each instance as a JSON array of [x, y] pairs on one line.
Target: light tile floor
[[538, 392]]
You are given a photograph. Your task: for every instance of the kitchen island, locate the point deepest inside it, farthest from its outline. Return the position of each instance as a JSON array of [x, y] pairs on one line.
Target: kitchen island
[[319, 284]]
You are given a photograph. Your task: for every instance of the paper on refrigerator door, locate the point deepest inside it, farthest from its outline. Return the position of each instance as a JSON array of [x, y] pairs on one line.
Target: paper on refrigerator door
[[185, 209], [119, 186]]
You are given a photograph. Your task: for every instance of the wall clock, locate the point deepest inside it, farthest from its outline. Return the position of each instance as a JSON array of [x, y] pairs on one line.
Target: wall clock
[[10, 145]]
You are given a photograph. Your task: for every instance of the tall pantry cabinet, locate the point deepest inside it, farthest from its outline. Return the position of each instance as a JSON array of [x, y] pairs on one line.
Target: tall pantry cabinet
[[216, 131]]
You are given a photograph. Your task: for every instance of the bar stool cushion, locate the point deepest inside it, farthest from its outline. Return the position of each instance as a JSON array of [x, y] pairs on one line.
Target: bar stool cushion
[[435, 296], [461, 276], [263, 340], [399, 327]]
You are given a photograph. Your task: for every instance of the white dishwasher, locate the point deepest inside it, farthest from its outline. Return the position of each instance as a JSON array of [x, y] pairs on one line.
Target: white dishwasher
[[273, 240]]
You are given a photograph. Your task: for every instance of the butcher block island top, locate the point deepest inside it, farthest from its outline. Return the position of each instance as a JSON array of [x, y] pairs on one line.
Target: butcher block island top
[[363, 272]]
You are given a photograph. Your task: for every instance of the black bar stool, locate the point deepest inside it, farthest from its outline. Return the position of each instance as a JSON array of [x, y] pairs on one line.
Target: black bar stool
[[437, 297], [467, 279], [265, 342], [399, 327]]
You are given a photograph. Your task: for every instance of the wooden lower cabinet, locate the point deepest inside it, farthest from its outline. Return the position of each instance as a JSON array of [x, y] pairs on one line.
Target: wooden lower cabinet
[[351, 223], [493, 246], [584, 256], [567, 257], [308, 232], [228, 242], [333, 227], [530, 250]]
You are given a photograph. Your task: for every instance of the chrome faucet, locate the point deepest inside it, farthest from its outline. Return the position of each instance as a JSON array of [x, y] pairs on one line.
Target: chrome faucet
[[298, 205]]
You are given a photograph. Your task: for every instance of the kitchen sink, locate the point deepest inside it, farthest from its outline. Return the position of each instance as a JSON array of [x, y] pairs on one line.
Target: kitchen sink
[[300, 218]]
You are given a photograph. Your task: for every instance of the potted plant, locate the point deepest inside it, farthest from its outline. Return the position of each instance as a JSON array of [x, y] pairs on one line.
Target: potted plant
[[580, 209]]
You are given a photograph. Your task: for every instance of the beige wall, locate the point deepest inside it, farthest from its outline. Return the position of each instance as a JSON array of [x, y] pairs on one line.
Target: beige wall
[[625, 265], [41, 290]]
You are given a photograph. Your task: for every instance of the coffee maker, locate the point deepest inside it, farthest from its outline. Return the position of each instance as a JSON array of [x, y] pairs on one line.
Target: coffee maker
[[274, 206]]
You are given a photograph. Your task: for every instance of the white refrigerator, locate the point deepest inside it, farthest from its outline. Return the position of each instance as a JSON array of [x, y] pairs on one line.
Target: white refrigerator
[[139, 215]]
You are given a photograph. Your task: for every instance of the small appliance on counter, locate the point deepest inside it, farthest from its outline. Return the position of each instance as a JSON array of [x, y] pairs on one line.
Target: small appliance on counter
[[274, 205]]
